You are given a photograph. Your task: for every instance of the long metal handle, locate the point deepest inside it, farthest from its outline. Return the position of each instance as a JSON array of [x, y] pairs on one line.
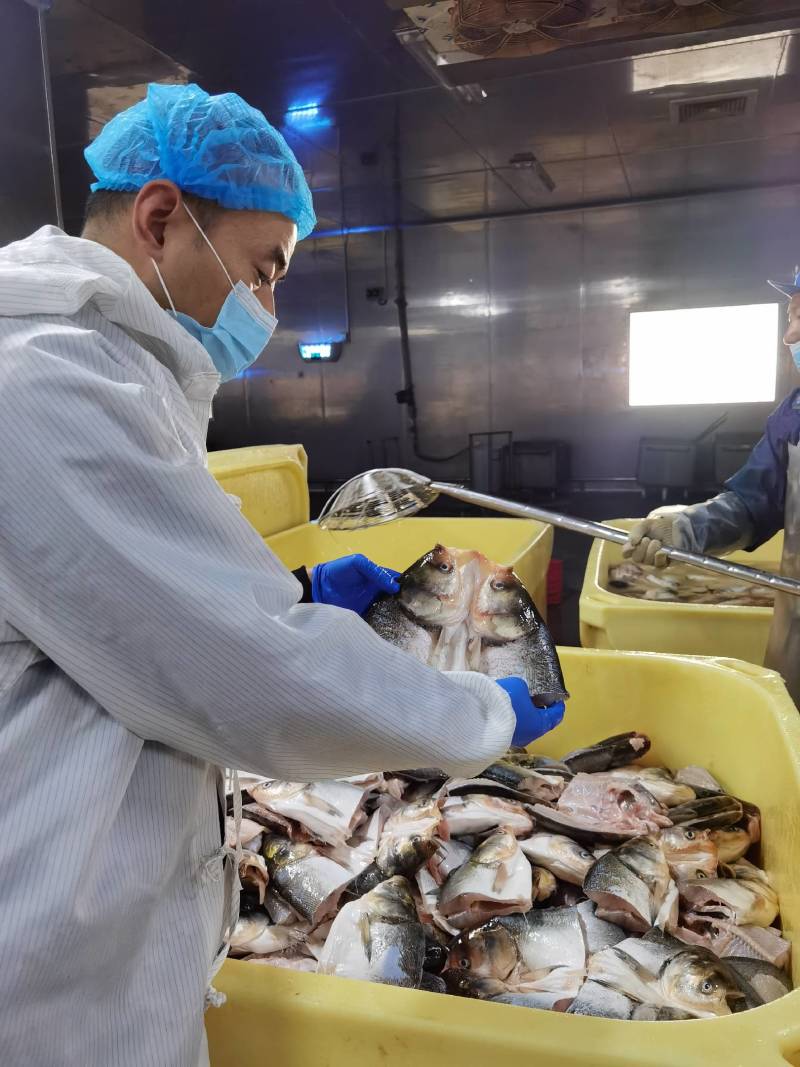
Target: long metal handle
[[613, 533]]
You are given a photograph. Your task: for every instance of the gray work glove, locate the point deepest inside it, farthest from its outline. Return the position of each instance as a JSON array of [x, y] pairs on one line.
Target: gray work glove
[[720, 525], [648, 537]]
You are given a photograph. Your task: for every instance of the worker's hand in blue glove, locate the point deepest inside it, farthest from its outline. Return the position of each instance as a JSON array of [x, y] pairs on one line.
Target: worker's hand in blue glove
[[353, 582], [532, 722]]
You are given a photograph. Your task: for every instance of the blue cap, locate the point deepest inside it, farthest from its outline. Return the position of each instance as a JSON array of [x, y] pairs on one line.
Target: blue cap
[[217, 147], [789, 289]]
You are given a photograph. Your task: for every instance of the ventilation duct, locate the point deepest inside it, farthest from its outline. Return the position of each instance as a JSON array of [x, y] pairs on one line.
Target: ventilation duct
[[703, 108]]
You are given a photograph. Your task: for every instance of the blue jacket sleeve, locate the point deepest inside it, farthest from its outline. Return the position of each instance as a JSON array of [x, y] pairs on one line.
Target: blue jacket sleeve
[[761, 482]]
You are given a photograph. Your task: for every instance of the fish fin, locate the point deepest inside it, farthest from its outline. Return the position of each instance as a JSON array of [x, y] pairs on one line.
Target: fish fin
[[501, 877], [667, 916], [321, 805]]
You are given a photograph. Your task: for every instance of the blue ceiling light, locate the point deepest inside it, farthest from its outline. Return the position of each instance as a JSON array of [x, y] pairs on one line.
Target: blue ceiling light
[[310, 116], [320, 351]]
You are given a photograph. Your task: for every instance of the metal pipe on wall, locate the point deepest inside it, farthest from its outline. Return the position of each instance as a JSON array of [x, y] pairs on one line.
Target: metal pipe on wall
[[584, 207], [407, 395]]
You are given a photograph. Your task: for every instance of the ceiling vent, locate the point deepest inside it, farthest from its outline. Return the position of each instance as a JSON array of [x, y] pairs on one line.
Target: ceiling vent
[[703, 108]]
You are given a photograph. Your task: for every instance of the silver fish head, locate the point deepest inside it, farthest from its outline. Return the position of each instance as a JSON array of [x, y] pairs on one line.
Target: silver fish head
[[392, 902], [714, 812], [697, 982], [502, 609], [405, 855], [489, 952], [438, 588], [731, 844], [279, 851], [545, 884], [498, 848], [693, 852]]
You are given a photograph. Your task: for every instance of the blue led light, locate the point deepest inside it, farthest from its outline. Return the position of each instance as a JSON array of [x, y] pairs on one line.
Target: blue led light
[[309, 116], [320, 351]]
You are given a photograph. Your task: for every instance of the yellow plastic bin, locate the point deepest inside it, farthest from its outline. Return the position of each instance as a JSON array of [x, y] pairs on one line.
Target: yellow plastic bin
[[521, 543], [271, 482], [732, 717], [609, 620]]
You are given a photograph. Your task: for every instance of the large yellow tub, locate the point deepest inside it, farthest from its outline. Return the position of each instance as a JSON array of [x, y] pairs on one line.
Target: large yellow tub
[[608, 620], [521, 543], [271, 483], [734, 718]]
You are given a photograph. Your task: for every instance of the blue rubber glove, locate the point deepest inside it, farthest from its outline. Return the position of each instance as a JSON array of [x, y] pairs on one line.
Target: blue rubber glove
[[353, 582], [532, 722]]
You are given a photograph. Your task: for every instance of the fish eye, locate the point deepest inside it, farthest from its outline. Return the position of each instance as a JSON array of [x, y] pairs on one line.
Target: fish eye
[[463, 963], [499, 586], [690, 835], [708, 986], [445, 568], [700, 874]]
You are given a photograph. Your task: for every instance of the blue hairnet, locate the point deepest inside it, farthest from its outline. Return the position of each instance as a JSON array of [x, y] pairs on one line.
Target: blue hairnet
[[217, 147]]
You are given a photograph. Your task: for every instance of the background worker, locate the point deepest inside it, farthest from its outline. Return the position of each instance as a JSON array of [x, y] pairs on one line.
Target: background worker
[[760, 499]]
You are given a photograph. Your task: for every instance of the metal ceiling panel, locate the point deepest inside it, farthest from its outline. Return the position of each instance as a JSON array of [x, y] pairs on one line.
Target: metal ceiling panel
[[575, 181], [733, 164], [472, 193], [557, 115]]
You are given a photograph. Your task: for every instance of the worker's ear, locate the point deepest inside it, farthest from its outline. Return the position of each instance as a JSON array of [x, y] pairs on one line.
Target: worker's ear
[[158, 205]]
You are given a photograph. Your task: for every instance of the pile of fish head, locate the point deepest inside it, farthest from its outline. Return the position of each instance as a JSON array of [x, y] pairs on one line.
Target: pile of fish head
[[684, 584], [457, 610], [590, 884]]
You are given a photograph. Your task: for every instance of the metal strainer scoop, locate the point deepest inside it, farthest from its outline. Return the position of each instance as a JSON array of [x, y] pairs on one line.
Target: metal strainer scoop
[[381, 495]]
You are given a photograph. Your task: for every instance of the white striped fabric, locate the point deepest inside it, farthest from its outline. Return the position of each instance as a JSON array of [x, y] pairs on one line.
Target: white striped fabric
[[148, 637]]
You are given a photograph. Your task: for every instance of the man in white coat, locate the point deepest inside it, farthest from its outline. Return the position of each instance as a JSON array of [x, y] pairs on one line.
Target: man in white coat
[[147, 636]]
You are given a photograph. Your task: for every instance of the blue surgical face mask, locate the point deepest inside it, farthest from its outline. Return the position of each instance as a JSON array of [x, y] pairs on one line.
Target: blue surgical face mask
[[243, 327], [795, 350]]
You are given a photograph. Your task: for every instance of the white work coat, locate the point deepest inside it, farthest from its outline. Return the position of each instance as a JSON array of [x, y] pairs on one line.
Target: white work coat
[[148, 638]]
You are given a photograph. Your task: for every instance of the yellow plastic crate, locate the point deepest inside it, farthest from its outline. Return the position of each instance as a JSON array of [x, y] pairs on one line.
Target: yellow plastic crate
[[522, 543], [609, 620], [732, 717], [270, 480]]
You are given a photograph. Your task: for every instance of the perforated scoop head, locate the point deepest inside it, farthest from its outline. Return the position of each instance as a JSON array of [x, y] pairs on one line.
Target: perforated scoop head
[[375, 497]]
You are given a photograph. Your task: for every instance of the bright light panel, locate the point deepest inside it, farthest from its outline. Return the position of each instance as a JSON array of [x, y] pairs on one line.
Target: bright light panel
[[724, 355], [708, 65], [320, 351]]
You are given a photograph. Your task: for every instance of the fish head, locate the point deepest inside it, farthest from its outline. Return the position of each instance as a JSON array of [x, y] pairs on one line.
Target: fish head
[[391, 902], [714, 812], [405, 855], [731, 843], [502, 609], [496, 849], [488, 952], [545, 884], [699, 983], [438, 588], [278, 851], [690, 848]]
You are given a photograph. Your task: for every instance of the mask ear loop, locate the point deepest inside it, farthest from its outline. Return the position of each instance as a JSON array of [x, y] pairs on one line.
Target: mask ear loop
[[163, 286], [202, 234]]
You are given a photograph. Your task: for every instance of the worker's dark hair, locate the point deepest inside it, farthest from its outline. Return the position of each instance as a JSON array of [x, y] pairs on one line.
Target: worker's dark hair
[[105, 205]]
